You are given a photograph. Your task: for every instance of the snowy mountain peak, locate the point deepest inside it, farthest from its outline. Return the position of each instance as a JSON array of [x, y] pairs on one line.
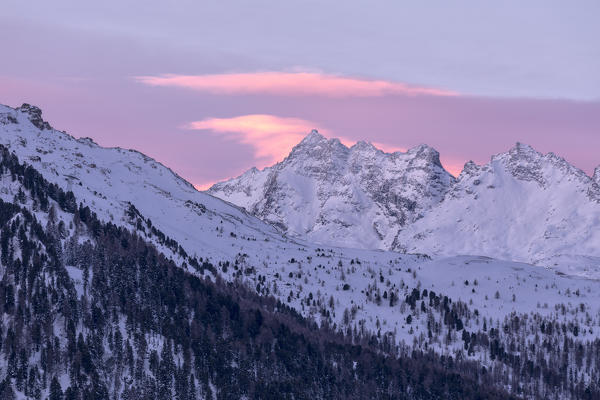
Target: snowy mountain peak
[[426, 153], [527, 164], [594, 189], [523, 149], [363, 146], [356, 197], [519, 153], [522, 205], [314, 137], [317, 147], [523, 162]]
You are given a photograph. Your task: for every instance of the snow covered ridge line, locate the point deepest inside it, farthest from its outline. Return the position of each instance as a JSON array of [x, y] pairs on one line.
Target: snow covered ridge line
[[522, 205], [109, 179]]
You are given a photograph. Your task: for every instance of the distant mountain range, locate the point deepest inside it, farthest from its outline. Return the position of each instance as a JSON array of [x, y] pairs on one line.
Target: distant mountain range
[[120, 280], [522, 205]]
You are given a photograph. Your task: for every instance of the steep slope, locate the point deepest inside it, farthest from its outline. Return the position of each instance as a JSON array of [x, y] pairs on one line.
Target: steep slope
[[522, 205], [328, 193], [110, 179]]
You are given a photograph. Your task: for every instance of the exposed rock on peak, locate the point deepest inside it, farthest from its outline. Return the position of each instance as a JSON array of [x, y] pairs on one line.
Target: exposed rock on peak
[[88, 141], [317, 148], [519, 153], [523, 162], [363, 146], [522, 149], [527, 164], [426, 153], [35, 116], [313, 137], [469, 169]]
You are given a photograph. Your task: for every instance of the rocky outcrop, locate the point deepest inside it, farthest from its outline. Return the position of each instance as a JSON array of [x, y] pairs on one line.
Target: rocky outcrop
[[35, 116]]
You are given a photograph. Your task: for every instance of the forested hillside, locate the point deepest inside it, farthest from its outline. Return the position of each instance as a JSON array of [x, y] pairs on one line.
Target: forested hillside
[[92, 311]]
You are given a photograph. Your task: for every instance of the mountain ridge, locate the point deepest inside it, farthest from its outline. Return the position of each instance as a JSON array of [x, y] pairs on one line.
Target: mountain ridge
[[406, 216], [117, 223]]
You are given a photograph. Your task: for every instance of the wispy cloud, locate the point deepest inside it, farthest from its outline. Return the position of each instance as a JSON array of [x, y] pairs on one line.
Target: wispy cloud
[[291, 84], [270, 136]]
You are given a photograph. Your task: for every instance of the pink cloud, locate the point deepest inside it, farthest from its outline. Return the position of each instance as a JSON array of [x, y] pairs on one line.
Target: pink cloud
[[270, 136], [452, 165], [290, 84], [204, 185]]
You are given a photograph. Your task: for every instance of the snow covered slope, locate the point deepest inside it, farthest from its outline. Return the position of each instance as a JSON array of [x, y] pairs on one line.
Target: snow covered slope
[[109, 179], [328, 193], [353, 290], [522, 206]]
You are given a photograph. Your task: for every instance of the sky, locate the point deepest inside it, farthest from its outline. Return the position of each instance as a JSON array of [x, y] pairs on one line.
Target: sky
[[214, 88]]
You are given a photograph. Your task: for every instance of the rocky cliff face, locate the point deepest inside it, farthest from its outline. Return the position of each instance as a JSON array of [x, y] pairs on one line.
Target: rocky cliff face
[[595, 189], [329, 193], [34, 114]]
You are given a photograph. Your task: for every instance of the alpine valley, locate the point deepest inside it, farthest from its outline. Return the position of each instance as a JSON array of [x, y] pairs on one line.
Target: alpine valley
[[336, 273]]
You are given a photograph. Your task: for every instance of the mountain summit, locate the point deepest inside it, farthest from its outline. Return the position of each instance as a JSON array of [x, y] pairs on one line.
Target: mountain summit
[[355, 196], [522, 205]]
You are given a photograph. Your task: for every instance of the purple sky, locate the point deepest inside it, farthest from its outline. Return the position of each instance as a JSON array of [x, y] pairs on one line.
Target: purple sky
[[211, 90]]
